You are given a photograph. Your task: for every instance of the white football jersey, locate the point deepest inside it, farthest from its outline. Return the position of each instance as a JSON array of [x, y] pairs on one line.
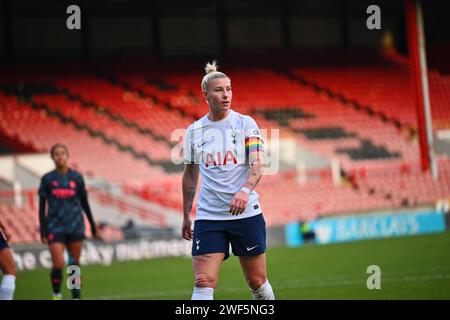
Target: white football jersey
[[218, 147]]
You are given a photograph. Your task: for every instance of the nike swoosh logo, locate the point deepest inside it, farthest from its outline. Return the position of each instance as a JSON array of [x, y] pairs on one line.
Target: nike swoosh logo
[[197, 241], [201, 145], [251, 248]]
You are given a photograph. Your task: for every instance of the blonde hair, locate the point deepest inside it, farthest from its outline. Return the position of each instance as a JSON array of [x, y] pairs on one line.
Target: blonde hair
[[211, 73]]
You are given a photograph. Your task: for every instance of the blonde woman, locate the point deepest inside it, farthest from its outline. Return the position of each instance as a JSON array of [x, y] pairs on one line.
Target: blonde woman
[[226, 148]]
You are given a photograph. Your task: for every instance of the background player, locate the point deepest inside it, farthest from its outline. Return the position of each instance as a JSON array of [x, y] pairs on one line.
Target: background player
[[228, 211], [7, 266], [62, 224]]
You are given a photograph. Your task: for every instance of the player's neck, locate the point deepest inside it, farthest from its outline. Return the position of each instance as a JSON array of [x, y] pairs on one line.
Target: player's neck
[[62, 170], [217, 116]]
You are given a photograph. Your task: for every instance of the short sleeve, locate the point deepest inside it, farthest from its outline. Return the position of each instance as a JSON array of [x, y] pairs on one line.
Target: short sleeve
[[188, 150], [43, 189], [251, 128]]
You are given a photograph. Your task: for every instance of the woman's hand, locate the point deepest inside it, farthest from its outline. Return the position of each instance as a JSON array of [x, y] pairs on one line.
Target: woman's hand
[[186, 231], [239, 203], [94, 233], [44, 238]]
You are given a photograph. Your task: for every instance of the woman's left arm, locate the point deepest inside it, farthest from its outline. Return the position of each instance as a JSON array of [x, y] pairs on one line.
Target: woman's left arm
[[86, 207], [87, 210]]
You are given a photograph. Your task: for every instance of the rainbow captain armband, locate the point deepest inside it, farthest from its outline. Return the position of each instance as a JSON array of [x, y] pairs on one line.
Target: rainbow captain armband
[[253, 144]]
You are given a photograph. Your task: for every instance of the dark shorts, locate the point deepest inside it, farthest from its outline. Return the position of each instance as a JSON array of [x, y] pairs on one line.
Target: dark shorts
[[247, 236], [65, 237], [3, 243]]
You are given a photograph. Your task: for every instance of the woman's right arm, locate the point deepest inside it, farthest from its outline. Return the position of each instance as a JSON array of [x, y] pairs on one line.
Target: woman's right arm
[[189, 185]]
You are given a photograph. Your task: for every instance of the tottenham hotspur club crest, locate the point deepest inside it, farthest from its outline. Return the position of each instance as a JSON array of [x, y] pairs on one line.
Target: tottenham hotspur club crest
[[233, 135]]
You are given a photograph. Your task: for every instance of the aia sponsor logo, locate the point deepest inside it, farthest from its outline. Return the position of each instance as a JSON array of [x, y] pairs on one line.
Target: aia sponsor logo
[[229, 158]]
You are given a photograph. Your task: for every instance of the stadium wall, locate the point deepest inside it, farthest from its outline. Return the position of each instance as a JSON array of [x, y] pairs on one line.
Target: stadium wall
[[31, 257], [364, 227]]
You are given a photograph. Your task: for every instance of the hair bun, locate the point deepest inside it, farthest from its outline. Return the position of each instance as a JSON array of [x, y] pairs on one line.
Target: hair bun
[[211, 67]]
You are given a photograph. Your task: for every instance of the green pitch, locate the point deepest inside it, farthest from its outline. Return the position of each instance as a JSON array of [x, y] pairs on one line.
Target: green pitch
[[411, 268]]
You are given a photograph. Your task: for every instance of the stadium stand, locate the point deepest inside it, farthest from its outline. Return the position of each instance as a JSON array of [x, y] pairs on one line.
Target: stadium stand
[[118, 126]]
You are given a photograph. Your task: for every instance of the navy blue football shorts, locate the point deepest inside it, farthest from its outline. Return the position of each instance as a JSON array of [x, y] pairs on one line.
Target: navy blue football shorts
[[246, 236], [3, 243], [65, 237]]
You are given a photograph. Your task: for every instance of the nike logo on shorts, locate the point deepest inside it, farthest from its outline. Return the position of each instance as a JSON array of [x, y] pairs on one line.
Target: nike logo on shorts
[[251, 248]]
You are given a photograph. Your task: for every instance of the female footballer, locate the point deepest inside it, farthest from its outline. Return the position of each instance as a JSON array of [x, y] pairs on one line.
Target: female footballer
[[7, 266], [62, 199], [226, 148]]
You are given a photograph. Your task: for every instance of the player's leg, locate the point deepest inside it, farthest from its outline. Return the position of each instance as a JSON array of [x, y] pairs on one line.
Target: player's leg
[[209, 248], [8, 268], [254, 268], [74, 248], [206, 274], [56, 248], [248, 241]]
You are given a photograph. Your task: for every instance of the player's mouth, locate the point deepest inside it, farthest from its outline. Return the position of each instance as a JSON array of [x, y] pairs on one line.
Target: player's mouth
[[225, 103]]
